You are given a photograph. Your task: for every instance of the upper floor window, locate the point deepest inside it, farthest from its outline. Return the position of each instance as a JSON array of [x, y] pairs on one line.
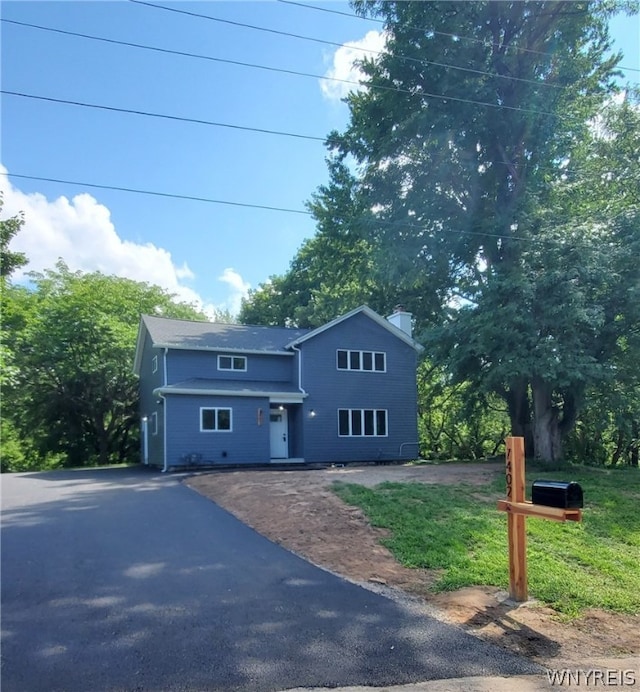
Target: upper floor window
[[154, 364], [215, 420], [232, 363], [372, 361]]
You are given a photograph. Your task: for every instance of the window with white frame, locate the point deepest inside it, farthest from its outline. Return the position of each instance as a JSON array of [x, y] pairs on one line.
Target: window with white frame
[[215, 420], [153, 423], [362, 422], [232, 363], [154, 364], [368, 361]]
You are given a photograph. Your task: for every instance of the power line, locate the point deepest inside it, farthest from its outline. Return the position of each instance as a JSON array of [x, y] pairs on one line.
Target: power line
[[184, 54], [164, 116], [192, 198], [274, 69], [130, 111], [251, 65], [427, 31], [156, 194], [340, 45]]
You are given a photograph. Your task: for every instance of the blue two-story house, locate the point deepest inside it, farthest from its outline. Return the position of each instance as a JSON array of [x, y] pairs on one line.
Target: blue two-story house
[[230, 394]]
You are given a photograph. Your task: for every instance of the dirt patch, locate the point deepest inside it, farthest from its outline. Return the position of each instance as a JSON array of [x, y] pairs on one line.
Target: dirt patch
[[298, 510]]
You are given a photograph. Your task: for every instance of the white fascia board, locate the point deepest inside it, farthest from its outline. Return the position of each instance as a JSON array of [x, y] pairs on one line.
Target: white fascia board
[[365, 309], [288, 398], [276, 397], [220, 349]]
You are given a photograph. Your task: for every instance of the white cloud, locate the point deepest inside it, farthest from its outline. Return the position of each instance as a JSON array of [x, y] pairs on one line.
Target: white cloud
[[239, 289], [80, 231], [343, 66]]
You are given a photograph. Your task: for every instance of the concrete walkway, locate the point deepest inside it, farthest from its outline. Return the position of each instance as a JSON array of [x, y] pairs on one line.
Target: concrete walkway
[[597, 675]]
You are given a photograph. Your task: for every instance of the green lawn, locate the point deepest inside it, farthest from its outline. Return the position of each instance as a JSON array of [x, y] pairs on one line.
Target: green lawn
[[458, 531]]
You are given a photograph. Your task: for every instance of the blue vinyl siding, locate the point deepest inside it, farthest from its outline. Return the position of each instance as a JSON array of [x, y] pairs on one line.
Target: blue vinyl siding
[[247, 443], [148, 404], [331, 389], [184, 365]]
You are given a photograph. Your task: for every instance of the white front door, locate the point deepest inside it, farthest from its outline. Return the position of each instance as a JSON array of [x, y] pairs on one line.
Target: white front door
[[279, 428]]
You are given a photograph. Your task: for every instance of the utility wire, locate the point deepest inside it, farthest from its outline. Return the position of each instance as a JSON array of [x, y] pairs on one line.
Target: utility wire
[[340, 45], [130, 44], [185, 54], [428, 31], [379, 222], [274, 69], [211, 201], [130, 111], [161, 115], [155, 193]]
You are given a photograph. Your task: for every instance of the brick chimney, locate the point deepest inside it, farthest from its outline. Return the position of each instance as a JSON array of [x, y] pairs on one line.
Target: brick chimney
[[401, 319]]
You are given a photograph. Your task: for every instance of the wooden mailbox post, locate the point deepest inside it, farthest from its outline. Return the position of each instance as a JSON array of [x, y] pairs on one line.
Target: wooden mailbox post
[[518, 509]]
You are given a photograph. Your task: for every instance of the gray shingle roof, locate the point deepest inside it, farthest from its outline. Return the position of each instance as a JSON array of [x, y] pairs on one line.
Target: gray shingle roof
[[219, 336]]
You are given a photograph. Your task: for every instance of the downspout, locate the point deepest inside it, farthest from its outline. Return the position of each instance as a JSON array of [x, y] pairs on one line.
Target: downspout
[[300, 387], [299, 352], [165, 467], [145, 440]]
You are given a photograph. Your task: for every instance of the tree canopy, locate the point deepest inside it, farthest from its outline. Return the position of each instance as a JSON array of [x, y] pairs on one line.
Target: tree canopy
[[488, 180], [70, 396]]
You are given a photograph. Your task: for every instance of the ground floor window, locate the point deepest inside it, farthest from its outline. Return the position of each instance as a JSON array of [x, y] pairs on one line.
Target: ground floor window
[[362, 422], [215, 420]]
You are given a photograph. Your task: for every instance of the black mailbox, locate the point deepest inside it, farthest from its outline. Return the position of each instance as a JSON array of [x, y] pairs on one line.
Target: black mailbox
[[557, 494]]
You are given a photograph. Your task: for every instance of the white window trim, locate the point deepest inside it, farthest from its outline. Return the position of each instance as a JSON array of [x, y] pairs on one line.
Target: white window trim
[[154, 423], [216, 409], [154, 364], [349, 351], [375, 422], [232, 369]]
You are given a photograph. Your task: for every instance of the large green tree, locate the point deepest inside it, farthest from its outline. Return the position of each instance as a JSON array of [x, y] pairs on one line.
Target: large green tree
[[72, 337], [461, 141]]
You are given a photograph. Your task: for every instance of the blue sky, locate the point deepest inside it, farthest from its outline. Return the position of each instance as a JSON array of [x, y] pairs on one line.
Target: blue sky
[[208, 253]]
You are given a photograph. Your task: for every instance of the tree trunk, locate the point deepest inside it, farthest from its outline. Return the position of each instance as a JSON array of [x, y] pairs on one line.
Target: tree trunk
[[617, 452], [547, 439], [102, 436], [517, 397]]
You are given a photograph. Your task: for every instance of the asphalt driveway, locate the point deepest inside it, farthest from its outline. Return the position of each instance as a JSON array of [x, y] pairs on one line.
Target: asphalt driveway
[[124, 579]]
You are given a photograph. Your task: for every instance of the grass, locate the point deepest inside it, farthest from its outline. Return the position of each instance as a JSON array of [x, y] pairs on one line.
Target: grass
[[457, 530]]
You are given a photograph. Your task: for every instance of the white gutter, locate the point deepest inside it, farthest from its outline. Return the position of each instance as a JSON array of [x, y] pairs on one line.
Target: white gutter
[[221, 349]]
